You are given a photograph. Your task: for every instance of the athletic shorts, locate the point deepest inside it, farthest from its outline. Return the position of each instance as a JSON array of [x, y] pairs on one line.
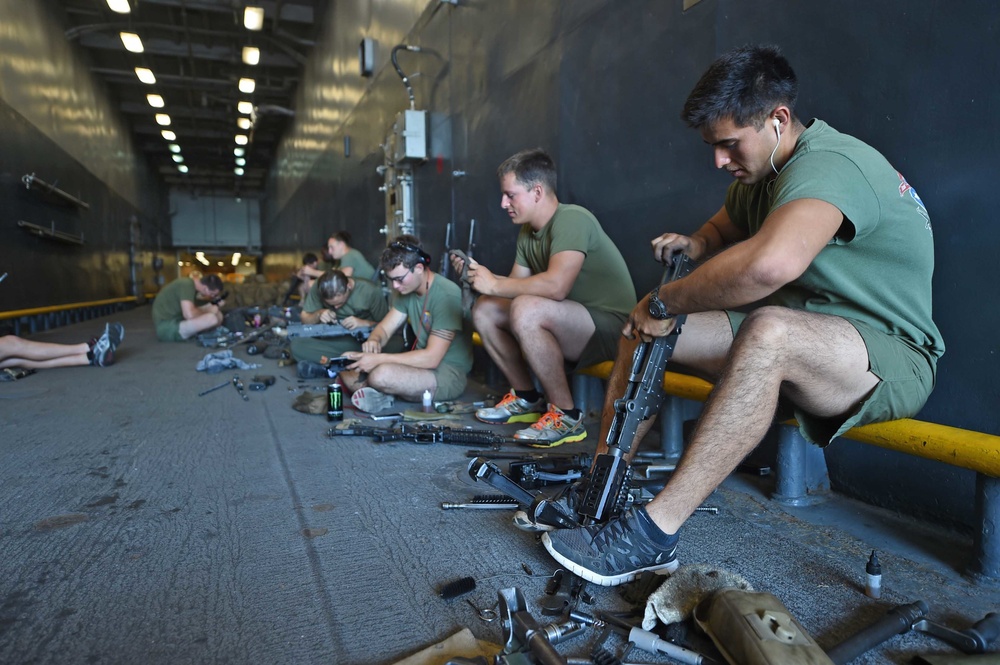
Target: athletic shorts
[[603, 344], [906, 378], [169, 331], [450, 382]]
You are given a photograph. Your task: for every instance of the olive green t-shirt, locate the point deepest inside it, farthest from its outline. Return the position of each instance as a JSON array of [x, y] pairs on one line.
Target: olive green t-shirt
[[440, 309], [356, 260], [604, 281], [878, 267], [167, 304], [365, 302]]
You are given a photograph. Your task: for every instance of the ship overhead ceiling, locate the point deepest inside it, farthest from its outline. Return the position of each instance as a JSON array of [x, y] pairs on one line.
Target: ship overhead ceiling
[[198, 52]]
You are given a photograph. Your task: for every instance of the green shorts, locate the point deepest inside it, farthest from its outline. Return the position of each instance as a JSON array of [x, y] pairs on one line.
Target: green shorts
[[906, 378], [451, 382], [603, 344], [169, 331]]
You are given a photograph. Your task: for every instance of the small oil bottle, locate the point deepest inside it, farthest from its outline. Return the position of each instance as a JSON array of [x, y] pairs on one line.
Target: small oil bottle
[[873, 573], [427, 402]]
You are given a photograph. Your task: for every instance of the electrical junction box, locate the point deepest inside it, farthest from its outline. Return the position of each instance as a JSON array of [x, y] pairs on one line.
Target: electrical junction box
[[409, 137]]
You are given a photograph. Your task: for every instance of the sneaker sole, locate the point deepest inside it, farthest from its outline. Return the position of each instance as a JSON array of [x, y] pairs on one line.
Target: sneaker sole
[[365, 401], [606, 580], [522, 418], [533, 443], [523, 522]]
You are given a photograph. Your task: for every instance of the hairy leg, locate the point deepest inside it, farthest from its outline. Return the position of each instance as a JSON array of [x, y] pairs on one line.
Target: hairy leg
[[819, 361], [491, 319], [549, 333], [404, 381], [702, 348]]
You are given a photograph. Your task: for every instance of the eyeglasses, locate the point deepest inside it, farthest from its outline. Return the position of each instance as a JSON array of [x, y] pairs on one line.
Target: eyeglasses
[[401, 278]]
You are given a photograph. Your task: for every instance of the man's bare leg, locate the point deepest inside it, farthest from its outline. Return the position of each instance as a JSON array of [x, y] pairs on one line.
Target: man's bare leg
[[491, 319], [549, 332], [191, 327], [29, 354], [702, 347], [820, 362], [403, 381]]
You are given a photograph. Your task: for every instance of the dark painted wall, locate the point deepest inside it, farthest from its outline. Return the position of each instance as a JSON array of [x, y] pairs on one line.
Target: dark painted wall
[[600, 84], [57, 123]]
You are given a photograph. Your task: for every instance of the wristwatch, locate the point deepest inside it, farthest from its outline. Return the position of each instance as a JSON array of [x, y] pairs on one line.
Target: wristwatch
[[657, 308]]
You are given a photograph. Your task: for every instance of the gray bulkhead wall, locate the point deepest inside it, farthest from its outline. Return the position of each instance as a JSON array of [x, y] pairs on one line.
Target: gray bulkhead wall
[[600, 84], [59, 124]]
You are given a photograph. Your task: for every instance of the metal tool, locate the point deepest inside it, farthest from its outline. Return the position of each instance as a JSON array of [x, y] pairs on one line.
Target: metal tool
[[523, 634], [487, 614], [238, 384], [971, 640], [212, 390], [643, 639]]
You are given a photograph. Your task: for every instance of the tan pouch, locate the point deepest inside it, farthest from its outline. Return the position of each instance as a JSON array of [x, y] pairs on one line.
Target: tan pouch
[[752, 628]]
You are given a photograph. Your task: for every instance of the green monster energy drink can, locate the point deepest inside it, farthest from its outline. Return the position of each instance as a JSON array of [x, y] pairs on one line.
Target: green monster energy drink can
[[334, 402]]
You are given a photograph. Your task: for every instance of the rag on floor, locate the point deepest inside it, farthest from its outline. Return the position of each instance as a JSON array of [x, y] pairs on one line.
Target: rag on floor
[[213, 363]]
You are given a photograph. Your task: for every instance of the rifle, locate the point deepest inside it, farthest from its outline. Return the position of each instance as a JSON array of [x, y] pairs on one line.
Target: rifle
[[426, 433], [605, 491], [360, 333]]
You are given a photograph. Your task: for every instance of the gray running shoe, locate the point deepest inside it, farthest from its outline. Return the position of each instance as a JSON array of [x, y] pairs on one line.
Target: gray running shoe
[[554, 429], [104, 348], [512, 409], [613, 553]]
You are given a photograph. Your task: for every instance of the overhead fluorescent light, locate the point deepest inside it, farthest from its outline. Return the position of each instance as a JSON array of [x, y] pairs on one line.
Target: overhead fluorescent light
[[236, 258], [240, 161], [238, 171], [246, 108], [243, 123], [119, 6], [247, 85], [177, 158], [253, 18], [162, 119], [145, 75], [173, 147], [251, 55], [201, 258], [156, 101], [182, 168], [221, 264], [241, 139], [239, 152], [168, 135], [132, 42]]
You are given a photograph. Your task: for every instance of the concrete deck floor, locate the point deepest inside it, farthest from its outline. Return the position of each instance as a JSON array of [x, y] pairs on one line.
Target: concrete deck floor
[[140, 523]]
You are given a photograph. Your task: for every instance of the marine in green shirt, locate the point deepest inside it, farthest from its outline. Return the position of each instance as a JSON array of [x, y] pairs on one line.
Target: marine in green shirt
[[175, 315]]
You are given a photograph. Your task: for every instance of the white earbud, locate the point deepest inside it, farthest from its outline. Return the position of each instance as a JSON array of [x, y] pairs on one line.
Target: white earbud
[[777, 133]]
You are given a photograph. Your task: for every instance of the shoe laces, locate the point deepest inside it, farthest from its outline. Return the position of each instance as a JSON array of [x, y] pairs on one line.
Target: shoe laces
[[507, 399], [551, 419]]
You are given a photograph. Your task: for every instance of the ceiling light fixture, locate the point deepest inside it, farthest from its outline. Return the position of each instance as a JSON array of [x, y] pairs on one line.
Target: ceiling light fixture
[[156, 101], [243, 123], [131, 42], [238, 171], [246, 108], [241, 161], [251, 55], [168, 135], [182, 168], [241, 139], [236, 258], [173, 147], [145, 75], [177, 158], [247, 85], [162, 119], [253, 18], [201, 258], [119, 6]]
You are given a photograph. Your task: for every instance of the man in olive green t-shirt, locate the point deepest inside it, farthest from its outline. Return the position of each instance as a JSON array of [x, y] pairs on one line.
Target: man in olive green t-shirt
[[830, 236], [176, 317], [566, 299]]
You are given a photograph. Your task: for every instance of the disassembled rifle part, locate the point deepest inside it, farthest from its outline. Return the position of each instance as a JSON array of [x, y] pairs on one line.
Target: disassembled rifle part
[[238, 384]]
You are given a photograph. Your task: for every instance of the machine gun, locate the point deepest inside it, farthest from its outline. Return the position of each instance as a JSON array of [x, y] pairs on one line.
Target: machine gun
[[606, 492], [426, 433], [360, 333]]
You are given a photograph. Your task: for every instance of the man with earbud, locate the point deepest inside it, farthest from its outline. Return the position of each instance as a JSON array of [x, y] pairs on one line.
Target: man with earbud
[[440, 358], [835, 249]]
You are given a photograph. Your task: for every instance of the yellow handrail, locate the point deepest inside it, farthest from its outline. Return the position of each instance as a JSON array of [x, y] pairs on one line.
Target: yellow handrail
[[33, 311]]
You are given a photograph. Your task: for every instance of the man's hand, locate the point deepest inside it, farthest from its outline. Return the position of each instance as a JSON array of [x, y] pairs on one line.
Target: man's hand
[[370, 346], [642, 324], [328, 316], [353, 322], [665, 246], [363, 361], [481, 279]]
